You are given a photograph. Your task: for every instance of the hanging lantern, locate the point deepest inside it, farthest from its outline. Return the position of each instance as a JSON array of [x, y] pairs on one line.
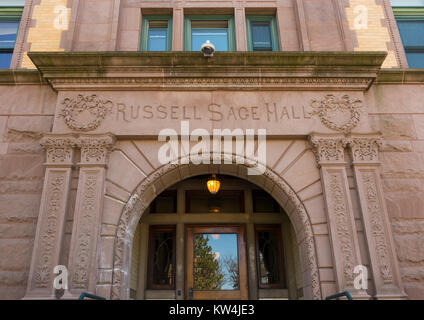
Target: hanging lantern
[[213, 185]]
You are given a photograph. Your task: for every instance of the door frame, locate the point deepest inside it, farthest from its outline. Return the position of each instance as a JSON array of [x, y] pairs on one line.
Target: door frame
[[243, 292]]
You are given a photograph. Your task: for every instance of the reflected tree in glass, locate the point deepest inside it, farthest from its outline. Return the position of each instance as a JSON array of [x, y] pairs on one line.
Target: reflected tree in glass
[[207, 272]]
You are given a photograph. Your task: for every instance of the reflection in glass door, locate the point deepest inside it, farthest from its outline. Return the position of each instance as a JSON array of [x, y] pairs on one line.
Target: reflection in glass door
[[216, 263]]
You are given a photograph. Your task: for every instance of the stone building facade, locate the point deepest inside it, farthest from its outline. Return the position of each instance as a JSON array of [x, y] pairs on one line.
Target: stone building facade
[[82, 109]]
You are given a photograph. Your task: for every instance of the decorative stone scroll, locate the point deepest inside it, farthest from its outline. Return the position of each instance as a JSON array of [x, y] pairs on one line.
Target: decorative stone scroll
[[329, 150], [59, 148], [95, 150], [338, 113], [51, 220], [364, 150], [85, 112]]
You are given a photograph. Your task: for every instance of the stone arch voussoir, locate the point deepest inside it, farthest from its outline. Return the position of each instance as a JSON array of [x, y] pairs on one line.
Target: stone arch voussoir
[[149, 187]]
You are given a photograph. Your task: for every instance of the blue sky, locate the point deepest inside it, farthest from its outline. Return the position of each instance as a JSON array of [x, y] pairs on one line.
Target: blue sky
[[407, 3]]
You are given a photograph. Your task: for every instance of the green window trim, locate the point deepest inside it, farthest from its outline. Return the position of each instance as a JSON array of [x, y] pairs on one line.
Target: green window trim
[[408, 13], [274, 32], [145, 31], [231, 29], [11, 14]]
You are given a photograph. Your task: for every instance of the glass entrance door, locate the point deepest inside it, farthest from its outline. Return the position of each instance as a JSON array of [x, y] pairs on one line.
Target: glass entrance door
[[216, 263]]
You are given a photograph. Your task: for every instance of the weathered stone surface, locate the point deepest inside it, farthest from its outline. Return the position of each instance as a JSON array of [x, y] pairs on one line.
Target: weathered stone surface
[[24, 148], [394, 127], [18, 253], [413, 274], [402, 164], [407, 205], [403, 185], [418, 146], [405, 226], [419, 125], [27, 167], [11, 187], [410, 248], [17, 230], [19, 208], [31, 124], [396, 146]]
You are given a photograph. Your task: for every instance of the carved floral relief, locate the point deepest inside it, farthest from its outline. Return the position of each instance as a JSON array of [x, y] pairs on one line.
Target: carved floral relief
[[45, 265], [85, 112], [338, 113]]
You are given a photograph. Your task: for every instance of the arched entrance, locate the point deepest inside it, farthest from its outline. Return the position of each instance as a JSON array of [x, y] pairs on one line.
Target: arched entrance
[[272, 183]]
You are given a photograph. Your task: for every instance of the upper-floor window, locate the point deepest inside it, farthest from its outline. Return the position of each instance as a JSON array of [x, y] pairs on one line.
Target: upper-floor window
[[156, 33], [261, 33], [9, 25], [218, 29], [410, 21]]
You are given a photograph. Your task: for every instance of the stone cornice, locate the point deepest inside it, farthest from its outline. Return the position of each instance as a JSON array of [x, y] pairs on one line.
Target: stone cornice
[[21, 77], [226, 70], [400, 76]]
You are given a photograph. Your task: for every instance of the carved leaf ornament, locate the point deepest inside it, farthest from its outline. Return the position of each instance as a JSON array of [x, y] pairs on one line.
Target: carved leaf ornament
[[338, 113], [85, 113]]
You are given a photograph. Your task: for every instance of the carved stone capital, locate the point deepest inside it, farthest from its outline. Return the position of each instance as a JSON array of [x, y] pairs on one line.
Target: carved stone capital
[[95, 149], [328, 148], [59, 148], [364, 148]]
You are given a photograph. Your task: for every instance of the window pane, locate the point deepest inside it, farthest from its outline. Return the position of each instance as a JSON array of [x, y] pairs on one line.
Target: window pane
[[166, 202], [225, 201], [261, 36], [5, 58], [412, 33], [263, 202], [162, 258], [8, 31], [215, 262], [415, 59], [214, 31], [268, 255], [157, 40]]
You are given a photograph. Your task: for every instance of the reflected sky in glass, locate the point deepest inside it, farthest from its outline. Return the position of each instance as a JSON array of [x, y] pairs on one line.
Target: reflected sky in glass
[[217, 36], [223, 249], [5, 59], [8, 32], [157, 39]]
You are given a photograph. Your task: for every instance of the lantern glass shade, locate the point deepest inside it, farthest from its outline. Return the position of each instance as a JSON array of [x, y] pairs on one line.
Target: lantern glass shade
[[213, 185]]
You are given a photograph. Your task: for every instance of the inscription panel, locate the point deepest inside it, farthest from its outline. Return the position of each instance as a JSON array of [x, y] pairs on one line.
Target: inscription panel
[[146, 113]]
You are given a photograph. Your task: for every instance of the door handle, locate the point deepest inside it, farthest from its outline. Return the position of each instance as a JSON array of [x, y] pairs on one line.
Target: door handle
[[190, 293]]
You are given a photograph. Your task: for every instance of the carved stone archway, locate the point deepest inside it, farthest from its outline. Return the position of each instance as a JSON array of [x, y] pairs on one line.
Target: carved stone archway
[[271, 182]]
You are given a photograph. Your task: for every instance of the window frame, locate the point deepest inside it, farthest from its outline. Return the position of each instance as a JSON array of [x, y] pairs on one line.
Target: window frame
[[152, 230], [274, 30], [188, 29], [11, 14], [145, 31], [277, 230], [409, 14]]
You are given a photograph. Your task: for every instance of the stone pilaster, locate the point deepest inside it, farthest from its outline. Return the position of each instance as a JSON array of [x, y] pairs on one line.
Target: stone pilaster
[[95, 151], [329, 151], [364, 150], [51, 218]]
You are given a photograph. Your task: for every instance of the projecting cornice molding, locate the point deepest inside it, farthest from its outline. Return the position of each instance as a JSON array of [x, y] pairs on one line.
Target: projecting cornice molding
[[225, 71]]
